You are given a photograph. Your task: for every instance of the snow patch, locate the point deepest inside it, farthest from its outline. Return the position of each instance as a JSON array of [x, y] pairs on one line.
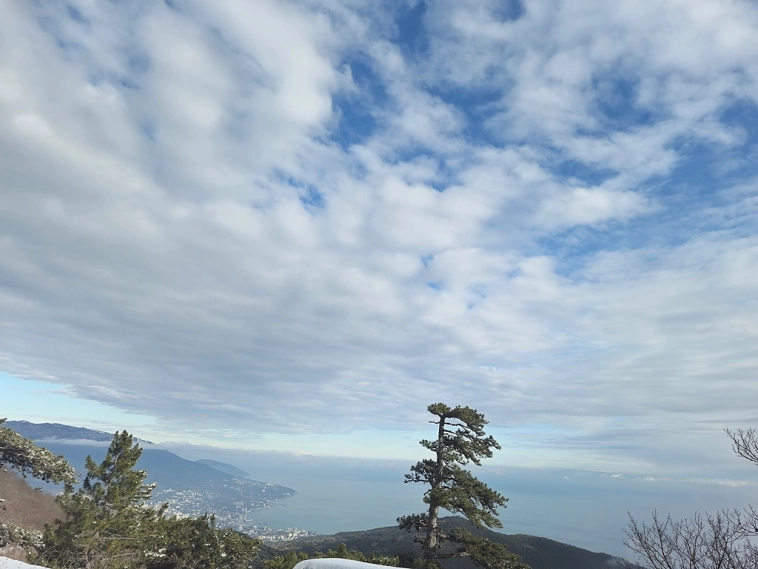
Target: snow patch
[[332, 563], [6, 563]]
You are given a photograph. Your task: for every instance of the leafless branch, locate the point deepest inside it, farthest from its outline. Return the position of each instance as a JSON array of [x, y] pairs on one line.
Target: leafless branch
[[710, 541], [745, 443]]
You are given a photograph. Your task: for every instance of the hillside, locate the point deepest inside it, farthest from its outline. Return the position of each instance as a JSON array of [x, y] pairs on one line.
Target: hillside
[[224, 467], [538, 552], [23, 506]]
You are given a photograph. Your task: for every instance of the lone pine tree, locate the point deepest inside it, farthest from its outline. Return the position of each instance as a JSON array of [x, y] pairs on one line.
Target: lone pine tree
[[460, 440]]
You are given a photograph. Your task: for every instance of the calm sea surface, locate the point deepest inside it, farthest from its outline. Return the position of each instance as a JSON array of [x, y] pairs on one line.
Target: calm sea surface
[[586, 509], [343, 506]]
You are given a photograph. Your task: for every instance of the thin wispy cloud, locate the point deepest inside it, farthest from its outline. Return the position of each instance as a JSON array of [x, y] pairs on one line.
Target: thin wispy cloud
[[317, 218]]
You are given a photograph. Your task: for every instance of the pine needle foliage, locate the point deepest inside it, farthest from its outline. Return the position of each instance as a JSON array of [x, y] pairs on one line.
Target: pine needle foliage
[[29, 459]]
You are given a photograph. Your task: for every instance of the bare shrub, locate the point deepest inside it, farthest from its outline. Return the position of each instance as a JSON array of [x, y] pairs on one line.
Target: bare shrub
[[724, 540]]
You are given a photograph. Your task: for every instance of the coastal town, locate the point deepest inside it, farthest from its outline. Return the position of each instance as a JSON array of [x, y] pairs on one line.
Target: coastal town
[[231, 510]]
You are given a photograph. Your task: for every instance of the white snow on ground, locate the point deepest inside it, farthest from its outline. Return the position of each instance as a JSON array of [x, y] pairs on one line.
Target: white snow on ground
[[330, 563], [6, 563]]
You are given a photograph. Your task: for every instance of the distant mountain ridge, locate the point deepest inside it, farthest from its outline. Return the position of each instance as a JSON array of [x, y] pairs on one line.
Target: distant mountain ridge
[[190, 487], [224, 467], [44, 431], [537, 552]]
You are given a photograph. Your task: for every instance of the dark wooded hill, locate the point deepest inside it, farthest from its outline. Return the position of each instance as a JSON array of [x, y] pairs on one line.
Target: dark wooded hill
[[538, 552]]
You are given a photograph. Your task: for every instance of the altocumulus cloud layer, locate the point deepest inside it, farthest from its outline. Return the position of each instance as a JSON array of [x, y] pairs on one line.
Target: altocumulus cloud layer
[[264, 213]]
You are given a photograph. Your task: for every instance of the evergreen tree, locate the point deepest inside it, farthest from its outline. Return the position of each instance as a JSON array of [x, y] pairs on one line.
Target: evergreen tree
[[110, 525], [23, 455], [460, 440], [197, 542], [107, 518], [286, 561]]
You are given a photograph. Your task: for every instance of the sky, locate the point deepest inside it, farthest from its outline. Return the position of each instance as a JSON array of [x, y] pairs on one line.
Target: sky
[[291, 226]]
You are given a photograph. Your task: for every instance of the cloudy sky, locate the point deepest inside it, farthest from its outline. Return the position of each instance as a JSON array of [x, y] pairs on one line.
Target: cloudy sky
[[293, 225]]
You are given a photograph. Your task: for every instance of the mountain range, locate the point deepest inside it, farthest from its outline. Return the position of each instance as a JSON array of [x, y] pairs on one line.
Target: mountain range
[[191, 488], [41, 431]]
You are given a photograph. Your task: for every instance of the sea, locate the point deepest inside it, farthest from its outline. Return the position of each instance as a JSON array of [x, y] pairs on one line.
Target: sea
[[585, 509], [329, 508]]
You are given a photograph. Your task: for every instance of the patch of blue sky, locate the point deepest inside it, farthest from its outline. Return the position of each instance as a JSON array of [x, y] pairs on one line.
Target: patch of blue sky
[[743, 114], [439, 180], [674, 224], [695, 179], [507, 10], [436, 285], [412, 36], [479, 104], [707, 169], [617, 105], [410, 152], [310, 196], [356, 121], [693, 199], [439, 185], [358, 110], [75, 14], [574, 247], [574, 170]]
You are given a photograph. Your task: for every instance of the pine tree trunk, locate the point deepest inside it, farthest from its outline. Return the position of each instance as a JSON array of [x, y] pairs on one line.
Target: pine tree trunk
[[431, 542]]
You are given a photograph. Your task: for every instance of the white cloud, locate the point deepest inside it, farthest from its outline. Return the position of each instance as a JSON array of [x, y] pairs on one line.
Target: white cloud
[[585, 206], [185, 233]]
